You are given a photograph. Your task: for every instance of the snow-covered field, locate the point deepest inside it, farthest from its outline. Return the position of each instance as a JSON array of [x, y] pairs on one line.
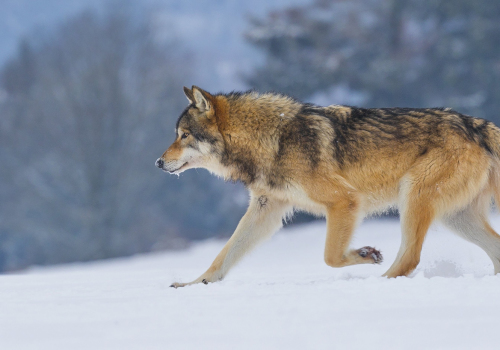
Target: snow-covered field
[[282, 296]]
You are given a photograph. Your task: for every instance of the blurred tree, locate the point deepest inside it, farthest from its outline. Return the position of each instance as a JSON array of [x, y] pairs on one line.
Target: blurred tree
[[394, 52], [85, 112]]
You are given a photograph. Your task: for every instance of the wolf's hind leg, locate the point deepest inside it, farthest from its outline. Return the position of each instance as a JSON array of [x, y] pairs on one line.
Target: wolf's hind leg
[[416, 219], [263, 218], [472, 224], [341, 220]]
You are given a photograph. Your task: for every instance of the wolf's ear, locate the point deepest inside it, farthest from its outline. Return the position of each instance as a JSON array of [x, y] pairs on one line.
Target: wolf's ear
[[189, 95], [202, 99]]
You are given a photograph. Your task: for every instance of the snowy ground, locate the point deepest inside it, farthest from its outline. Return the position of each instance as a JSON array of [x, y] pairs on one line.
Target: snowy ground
[[282, 296]]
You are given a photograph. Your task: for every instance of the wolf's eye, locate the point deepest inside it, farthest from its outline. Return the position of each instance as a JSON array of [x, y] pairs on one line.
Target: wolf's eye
[[184, 135]]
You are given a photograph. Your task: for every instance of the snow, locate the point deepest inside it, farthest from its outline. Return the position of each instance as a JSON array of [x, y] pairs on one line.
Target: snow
[[282, 296]]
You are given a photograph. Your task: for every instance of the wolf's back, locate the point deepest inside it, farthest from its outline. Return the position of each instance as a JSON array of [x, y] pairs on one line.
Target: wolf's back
[[492, 139]]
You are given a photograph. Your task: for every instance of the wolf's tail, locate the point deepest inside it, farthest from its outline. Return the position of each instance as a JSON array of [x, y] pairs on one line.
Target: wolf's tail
[[490, 140]]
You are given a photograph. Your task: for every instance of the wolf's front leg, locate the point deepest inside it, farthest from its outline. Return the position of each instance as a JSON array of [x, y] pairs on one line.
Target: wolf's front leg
[[341, 219], [263, 218]]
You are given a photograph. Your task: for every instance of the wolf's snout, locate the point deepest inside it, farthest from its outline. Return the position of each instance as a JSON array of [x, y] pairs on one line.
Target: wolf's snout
[[159, 163]]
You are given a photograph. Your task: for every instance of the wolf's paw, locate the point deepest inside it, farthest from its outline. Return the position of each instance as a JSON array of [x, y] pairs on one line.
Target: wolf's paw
[[371, 253], [177, 285]]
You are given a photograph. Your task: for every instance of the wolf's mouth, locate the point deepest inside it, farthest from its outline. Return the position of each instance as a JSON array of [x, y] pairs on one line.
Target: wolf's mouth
[[179, 168]]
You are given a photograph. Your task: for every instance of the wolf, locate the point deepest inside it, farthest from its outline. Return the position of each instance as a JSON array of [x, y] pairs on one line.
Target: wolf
[[343, 163]]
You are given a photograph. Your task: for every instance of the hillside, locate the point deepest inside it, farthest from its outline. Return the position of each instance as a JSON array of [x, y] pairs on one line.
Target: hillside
[[282, 296]]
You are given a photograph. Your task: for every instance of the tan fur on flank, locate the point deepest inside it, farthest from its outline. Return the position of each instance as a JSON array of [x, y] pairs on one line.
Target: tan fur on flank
[[344, 163]]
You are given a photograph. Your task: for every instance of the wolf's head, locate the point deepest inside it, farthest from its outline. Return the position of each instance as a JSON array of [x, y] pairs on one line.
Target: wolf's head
[[198, 140]]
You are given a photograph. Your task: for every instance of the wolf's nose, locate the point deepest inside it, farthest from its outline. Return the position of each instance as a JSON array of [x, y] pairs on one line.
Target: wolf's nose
[[159, 163]]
